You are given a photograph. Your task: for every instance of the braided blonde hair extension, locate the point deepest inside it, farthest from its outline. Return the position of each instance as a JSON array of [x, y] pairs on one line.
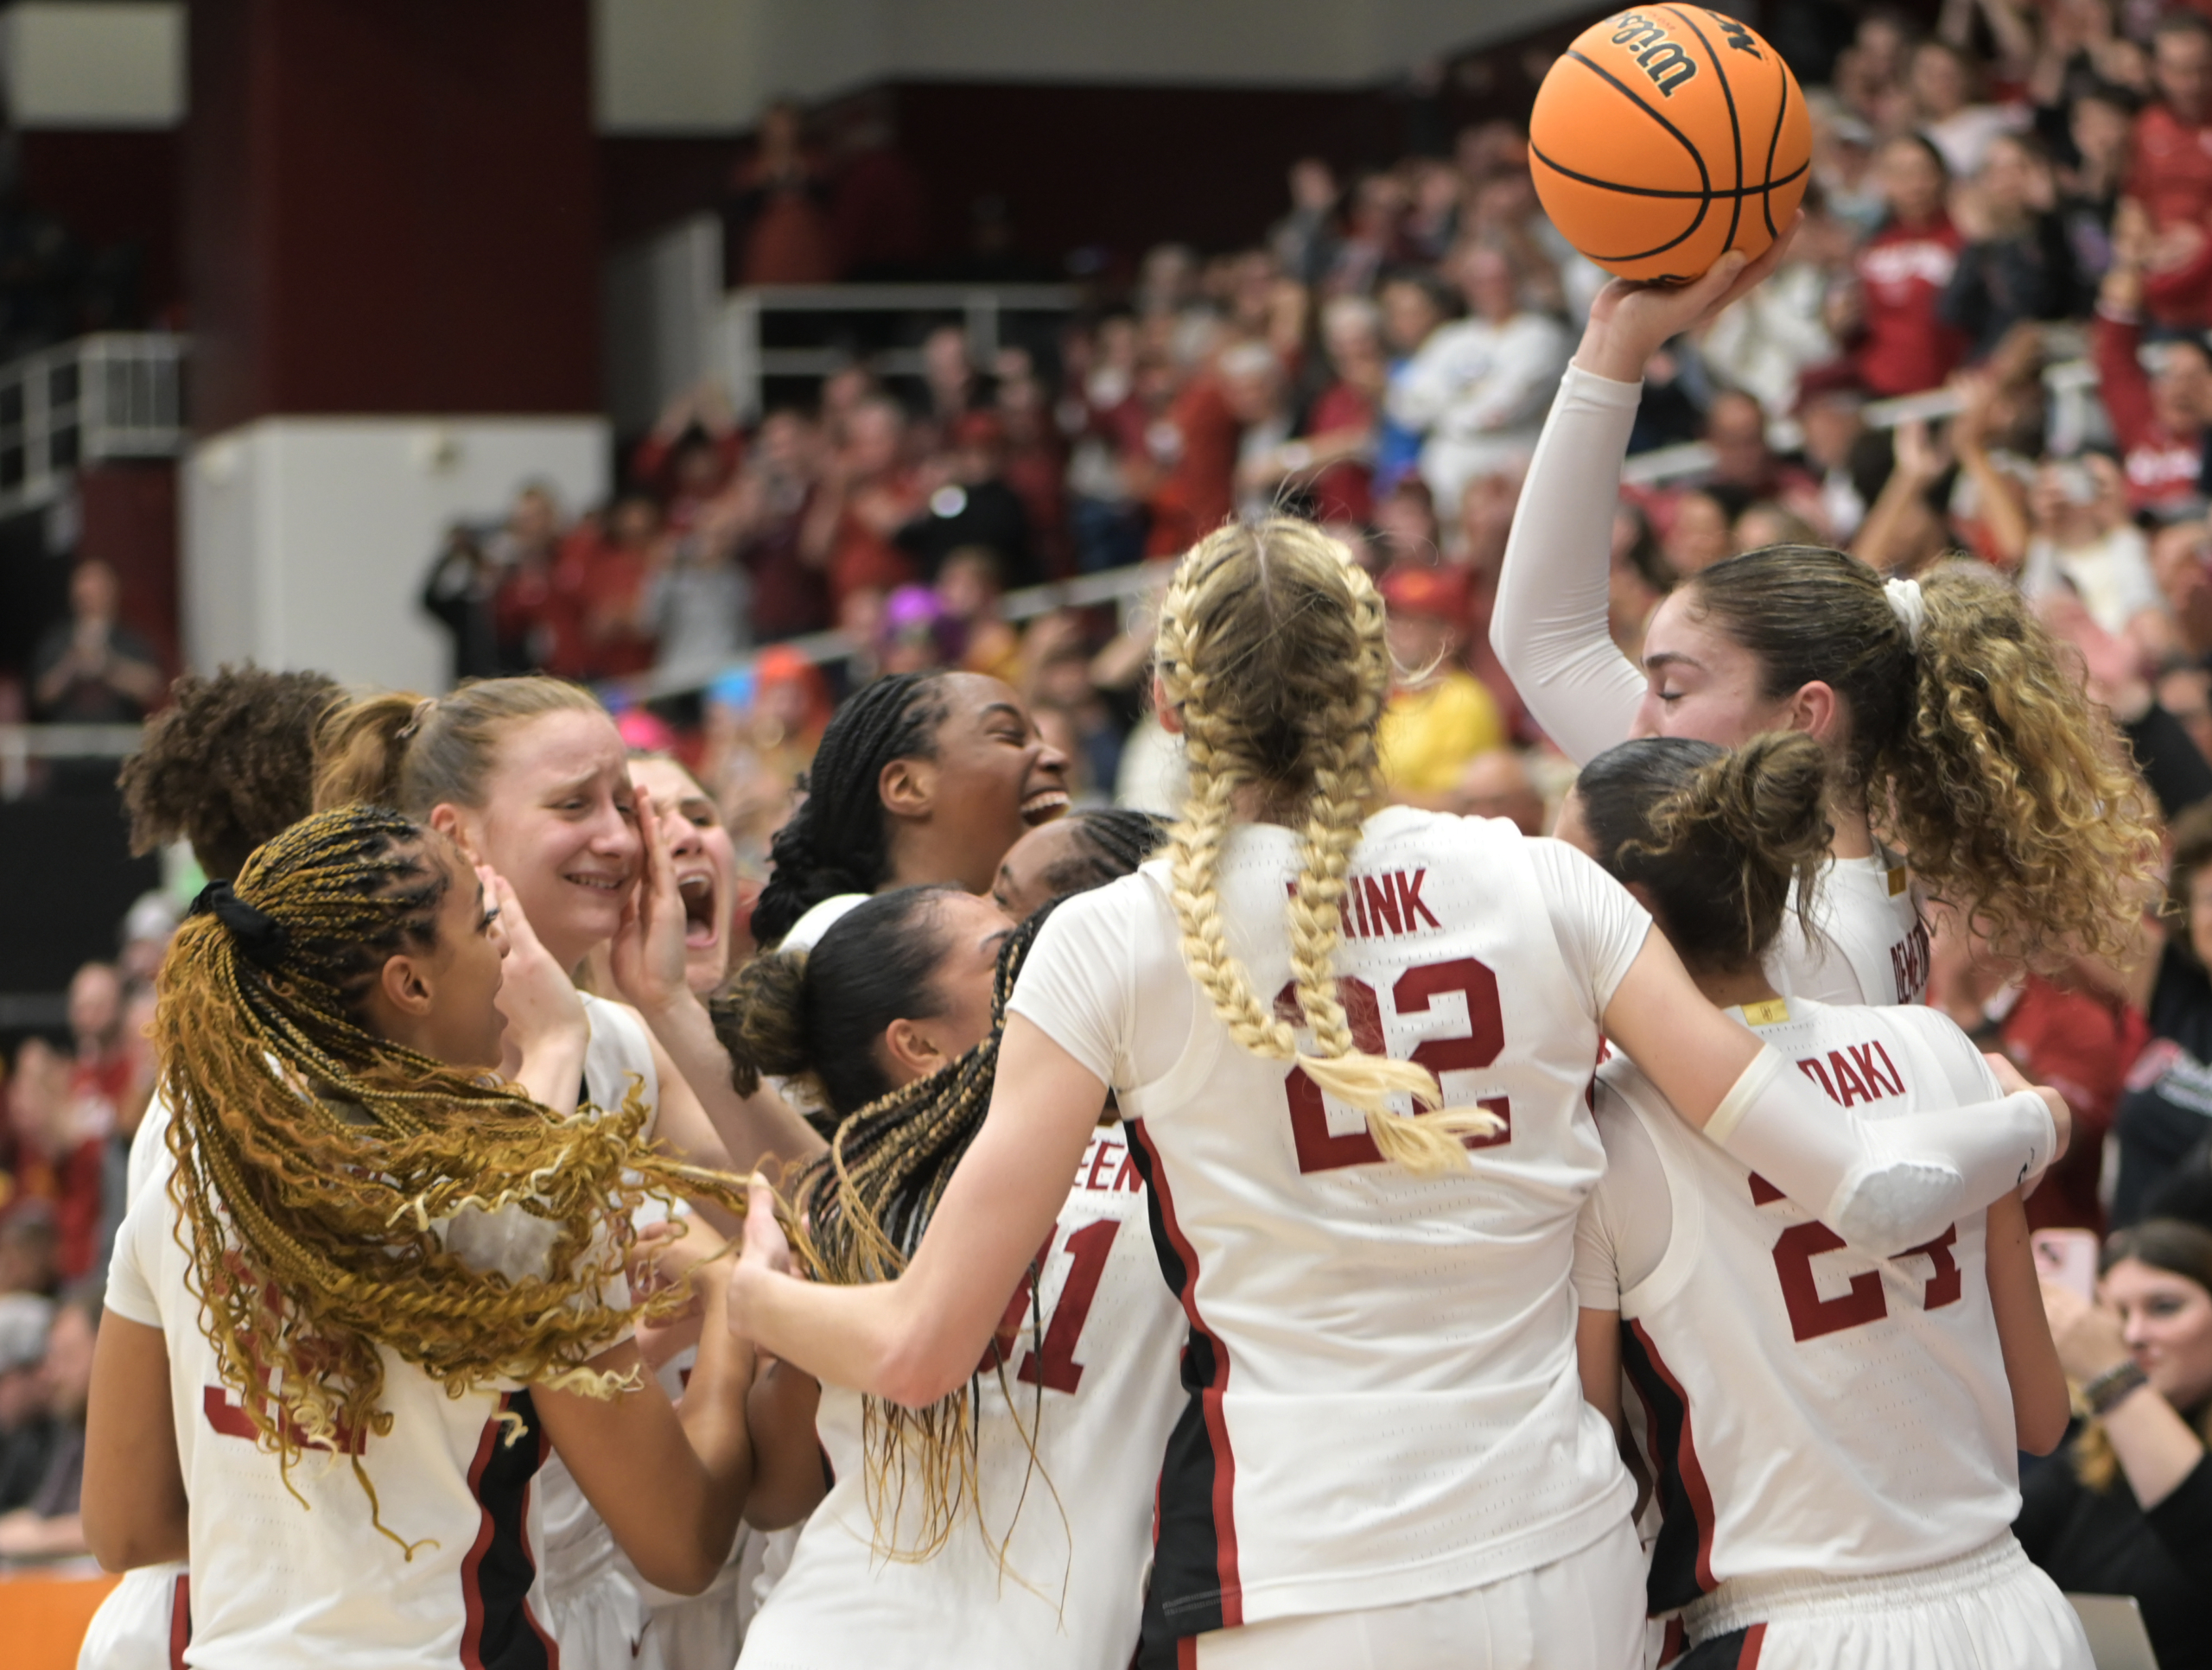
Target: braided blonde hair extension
[[1271, 652]]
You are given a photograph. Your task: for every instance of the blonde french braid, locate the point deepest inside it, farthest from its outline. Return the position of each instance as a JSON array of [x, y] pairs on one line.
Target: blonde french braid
[[1272, 649]]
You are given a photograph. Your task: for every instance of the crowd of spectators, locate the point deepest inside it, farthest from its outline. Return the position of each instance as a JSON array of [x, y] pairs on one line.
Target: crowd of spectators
[[2009, 215]]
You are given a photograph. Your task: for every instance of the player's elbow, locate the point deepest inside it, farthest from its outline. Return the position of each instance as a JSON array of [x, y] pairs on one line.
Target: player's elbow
[[916, 1371], [1888, 1209], [123, 1541]]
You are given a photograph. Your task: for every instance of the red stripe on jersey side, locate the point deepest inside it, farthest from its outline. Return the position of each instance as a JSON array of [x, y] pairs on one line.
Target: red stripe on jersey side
[[1681, 1460], [1186, 1654], [179, 1619], [1673, 1642], [1754, 1644], [498, 1631], [1213, 1377]]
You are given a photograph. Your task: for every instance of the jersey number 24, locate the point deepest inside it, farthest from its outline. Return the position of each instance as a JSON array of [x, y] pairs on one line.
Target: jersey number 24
[[1320, 1149]]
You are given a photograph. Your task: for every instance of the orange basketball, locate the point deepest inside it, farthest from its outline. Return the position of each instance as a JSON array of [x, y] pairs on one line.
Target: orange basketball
[[1664, 137]]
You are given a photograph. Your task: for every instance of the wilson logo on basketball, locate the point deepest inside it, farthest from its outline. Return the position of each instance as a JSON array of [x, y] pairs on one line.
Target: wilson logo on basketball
[[1660, 57]]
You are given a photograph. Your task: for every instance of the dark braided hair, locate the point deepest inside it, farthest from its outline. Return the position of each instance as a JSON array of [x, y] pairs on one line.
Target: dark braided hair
[[227, 765], [859, 1211], [1109, 842], [836, 842]]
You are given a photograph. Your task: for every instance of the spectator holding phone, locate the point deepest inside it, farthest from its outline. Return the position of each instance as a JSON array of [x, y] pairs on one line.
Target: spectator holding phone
[[2126, 1508]]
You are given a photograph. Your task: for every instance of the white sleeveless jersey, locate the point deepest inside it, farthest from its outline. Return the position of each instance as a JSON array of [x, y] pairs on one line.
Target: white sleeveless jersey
[[593, 1607], [275, 1582], [1869, 941], [145, 1622], [1086, 1365], [1383, 1405], [1802, 1407]]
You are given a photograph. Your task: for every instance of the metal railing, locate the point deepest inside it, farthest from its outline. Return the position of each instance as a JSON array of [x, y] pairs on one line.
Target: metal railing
[[22, 744], [746, 360], [118, 394], [1109, 586]]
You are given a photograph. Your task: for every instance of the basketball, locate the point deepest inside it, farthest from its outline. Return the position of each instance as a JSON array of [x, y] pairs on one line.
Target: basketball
[[1664, 137]]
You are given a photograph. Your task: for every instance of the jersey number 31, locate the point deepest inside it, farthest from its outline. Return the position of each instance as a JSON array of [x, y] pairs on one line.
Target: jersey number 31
[[1320, 1149]]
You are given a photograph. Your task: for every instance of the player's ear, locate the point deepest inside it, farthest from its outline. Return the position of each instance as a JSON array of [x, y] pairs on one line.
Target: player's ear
[[1817, 711], [908, 787], [1164, 710], [912, 1052]]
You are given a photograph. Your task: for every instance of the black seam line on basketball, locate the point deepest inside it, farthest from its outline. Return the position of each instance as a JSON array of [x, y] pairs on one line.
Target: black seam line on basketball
[[1629, 93], [1735, 126], [1657, 191], [1773, 140]]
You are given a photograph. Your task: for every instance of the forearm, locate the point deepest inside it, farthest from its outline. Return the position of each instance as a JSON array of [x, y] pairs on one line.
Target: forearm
[[2155, 1449], [1551, 628], [1883, 1188], [713, 1410], [875, 1338], [2007, 521], [787, 1482], [2032, 1366], [755, 1129], [552, 1069]]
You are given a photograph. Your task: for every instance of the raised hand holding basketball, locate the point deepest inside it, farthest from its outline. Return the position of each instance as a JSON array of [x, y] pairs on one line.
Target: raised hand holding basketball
[[1629, 322]]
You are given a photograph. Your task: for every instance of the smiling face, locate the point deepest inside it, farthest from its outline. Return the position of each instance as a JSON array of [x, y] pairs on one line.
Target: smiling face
[[2166, 1320], [992, 780], [558, 823], [972, 931], [706, 866], [1702, 683]]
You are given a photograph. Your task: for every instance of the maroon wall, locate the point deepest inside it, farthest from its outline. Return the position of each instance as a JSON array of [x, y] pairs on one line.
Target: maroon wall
[[391, 208], [112, 189]]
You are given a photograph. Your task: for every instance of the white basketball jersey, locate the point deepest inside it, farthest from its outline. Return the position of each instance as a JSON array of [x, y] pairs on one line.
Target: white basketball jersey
[[591, 1603], [1383, 1398], [1805, 1407], [277, 1581], [1085, 1365], [1869, 942]]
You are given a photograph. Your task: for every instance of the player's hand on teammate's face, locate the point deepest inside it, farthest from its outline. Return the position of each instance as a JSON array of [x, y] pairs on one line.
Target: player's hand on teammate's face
[[1629, 322], [647, 953], [536, 995]]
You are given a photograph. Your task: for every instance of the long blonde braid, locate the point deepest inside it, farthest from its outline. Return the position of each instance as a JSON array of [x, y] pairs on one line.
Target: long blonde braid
[[1273, 653]]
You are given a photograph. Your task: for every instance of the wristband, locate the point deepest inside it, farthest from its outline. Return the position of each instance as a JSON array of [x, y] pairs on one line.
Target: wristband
[[2101, 1394]]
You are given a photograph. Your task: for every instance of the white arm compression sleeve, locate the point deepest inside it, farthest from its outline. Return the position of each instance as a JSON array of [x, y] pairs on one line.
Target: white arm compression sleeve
[[1882, 1187], [1550, 626]]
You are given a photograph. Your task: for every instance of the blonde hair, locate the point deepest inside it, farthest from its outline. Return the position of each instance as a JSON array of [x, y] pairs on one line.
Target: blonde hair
[[1272, 652], [413, 753], [315, 1160]]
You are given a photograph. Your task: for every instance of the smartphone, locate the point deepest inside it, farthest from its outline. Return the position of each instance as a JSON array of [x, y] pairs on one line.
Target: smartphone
[[2067, 1258]]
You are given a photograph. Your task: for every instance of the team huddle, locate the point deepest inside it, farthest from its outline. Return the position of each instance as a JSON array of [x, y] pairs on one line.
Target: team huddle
[[1314, 1233]]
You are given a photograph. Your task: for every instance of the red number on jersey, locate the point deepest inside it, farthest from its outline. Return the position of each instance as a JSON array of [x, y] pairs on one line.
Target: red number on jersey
[[1811, 1315], [1053, 1366], [1320, 1149]]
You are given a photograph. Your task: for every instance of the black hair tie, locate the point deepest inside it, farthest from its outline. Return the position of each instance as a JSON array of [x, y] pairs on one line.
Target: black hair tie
[[258, 934]]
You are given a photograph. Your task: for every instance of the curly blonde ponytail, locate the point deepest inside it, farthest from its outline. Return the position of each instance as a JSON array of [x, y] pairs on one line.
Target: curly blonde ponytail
[[1272, 654]]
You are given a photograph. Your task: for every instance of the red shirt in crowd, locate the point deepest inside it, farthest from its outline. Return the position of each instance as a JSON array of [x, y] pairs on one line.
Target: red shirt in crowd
[[2172, 178], [2082, 1044], [1344, 492], [1904, 347], [596, 588], [1198, 493], [2161, 466]]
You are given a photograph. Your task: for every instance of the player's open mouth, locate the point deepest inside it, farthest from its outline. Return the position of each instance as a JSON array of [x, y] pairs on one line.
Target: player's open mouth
[[1044, 806], [702, 926]]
